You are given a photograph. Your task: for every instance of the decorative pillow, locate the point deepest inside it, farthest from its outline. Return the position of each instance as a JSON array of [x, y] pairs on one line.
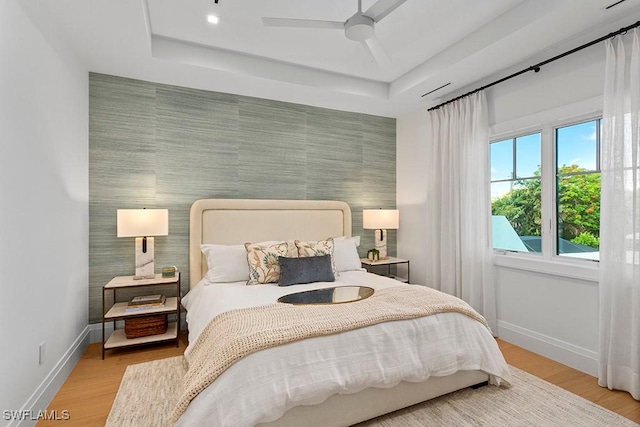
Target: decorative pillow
[[294, 271], [263, 260], [345, 253], [321, 247], [227, 263]]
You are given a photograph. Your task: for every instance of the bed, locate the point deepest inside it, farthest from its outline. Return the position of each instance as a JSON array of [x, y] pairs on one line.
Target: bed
[[273, 387]]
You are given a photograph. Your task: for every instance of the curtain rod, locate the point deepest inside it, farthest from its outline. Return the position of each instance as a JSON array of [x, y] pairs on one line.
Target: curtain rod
[[536, 67]]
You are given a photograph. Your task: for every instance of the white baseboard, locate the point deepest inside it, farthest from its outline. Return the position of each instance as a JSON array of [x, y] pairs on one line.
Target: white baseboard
[[48, 388], [563, 352], [95, 331]]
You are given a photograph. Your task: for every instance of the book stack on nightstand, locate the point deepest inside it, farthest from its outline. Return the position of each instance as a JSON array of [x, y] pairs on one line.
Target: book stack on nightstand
[[146, 317], [145, 302]]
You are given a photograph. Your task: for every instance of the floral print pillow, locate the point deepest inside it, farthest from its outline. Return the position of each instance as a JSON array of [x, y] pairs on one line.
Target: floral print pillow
[[263, 260], [321, 247]]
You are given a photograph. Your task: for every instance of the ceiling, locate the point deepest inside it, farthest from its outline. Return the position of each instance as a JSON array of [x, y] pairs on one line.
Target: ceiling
[[425, 43]]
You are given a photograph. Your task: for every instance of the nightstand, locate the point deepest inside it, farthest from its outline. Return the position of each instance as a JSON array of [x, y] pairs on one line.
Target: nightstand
[[371, 267], [117, 311]]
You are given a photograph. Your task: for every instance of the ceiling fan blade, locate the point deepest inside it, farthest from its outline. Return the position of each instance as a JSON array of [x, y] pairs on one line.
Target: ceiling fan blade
[[302, 23], [382, 8], [377, 51]]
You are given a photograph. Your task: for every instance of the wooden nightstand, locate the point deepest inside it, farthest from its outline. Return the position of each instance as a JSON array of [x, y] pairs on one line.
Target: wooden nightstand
[[370, 266], [117, 311]]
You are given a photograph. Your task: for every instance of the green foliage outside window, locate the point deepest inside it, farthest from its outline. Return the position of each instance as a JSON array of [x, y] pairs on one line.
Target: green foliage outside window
[[579, 205], [578, 212], [521, 207], [587, 239]]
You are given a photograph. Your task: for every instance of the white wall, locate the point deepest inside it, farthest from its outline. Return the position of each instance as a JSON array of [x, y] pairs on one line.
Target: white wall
[[44, 207], [411, 195], [552, 315]]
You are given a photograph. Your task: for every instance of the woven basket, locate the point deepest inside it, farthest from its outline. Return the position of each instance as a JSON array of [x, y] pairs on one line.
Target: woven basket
[[145, 326]]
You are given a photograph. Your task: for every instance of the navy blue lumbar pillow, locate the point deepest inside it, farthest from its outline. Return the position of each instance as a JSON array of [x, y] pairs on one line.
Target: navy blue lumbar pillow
[[295, 271]]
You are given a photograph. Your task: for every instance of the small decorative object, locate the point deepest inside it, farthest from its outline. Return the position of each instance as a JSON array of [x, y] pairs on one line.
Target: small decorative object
[[169, 271], [373, 255]]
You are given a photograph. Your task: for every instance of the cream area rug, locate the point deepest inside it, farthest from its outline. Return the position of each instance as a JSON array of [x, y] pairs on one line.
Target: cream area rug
[[148, 392]]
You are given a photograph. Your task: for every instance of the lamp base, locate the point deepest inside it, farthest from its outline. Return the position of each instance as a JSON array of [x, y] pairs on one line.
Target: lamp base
[[145, 266], [381, 243]]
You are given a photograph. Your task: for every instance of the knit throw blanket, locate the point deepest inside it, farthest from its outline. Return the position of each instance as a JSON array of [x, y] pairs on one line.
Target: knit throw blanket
[[238, 333]]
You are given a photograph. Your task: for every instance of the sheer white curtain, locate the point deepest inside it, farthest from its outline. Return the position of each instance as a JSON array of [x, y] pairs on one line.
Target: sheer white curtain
[[459, 254], [619, 366]]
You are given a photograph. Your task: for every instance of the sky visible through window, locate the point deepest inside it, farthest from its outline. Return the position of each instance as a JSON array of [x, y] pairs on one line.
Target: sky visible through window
[[503, 167], [577, 147]]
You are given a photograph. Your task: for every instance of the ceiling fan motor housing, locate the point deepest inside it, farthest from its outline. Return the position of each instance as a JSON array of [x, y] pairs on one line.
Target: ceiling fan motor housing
[[359, 27]]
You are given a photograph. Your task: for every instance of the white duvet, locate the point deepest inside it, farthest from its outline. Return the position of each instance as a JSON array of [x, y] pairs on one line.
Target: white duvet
[[264, 385]]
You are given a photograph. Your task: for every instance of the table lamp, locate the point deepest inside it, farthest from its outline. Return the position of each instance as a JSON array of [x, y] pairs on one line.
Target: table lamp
[[380, 220], [143, 224]]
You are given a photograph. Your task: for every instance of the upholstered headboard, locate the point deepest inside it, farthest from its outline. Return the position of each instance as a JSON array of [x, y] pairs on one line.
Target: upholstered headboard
[[238, 221]]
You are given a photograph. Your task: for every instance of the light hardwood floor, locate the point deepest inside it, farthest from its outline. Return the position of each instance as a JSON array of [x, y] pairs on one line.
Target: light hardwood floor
[[91, 388], [92, 385]]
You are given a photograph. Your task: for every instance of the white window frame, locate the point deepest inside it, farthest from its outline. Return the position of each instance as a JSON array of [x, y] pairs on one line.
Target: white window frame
[[548, 262], [520, 133], [554, 218]]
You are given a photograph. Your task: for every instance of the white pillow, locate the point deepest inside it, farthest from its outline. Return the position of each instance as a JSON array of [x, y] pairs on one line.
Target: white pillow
[[227, 263], [345, 253]]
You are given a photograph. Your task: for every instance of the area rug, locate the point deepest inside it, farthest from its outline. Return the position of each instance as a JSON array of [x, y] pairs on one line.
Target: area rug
[[148, 392]]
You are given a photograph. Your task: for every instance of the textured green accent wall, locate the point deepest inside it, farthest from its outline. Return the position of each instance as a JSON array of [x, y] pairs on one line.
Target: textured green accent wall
[[158, 146]]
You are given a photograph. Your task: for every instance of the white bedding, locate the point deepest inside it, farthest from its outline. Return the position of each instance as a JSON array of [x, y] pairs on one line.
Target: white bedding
[[264, 385]]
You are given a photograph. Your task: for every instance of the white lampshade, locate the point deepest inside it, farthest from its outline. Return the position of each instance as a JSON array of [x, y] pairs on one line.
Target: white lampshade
[[380, 219], [142, 222]]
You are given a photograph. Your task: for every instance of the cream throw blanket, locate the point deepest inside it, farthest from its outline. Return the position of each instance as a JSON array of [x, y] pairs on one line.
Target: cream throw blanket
[[238, 333]]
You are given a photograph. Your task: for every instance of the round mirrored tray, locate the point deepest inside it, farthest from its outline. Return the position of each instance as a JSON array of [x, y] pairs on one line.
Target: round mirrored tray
[[335, 295]]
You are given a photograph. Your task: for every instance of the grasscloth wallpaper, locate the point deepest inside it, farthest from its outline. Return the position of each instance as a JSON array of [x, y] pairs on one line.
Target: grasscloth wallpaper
[[158, 146]]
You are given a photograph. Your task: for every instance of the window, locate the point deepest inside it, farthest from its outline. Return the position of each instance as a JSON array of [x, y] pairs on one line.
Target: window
[[549, 177], [515, 193], [578, 189]]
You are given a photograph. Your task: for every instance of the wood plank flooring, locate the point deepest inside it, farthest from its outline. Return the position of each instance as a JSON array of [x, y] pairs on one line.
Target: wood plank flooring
[[571, 380], [91, 387]]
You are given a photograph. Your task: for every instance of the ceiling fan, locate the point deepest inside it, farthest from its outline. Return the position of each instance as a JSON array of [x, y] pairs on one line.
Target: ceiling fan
[[359, 27]]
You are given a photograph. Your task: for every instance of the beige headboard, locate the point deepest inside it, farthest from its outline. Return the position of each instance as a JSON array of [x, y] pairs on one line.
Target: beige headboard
[[238, 221]]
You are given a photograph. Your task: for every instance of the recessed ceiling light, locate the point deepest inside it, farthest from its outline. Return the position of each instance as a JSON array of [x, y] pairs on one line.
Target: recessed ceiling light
[[212, 19]]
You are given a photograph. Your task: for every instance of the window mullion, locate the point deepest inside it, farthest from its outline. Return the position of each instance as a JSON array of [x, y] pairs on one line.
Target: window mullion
[[598, 145], [514, 173], [548, 193]]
